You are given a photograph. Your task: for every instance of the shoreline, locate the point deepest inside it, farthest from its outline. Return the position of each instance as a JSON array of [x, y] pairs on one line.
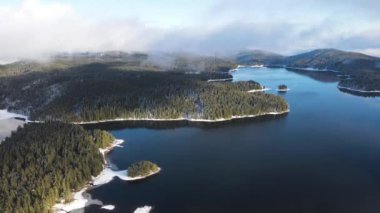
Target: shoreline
[[258, 90], [143, 177], [5, 114], [144, 209], [357, 90], [282, 90], [311, 69], [181, 119], [79, 200], [220, 80]]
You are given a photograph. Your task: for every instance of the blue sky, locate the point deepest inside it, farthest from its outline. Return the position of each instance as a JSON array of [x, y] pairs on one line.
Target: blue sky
[[39, 27]]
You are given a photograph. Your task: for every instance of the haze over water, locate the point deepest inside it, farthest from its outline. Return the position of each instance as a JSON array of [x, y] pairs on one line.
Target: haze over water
[[324, 156]]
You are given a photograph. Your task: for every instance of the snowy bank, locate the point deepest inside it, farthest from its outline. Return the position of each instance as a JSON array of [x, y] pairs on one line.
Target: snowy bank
[[116, 143], [104, 177], [220, 80], [8, 123], [283, 90], [258, 90], [311, 69], [183, 119], [79, 202], [108, 207], [107, 175], [144, 209], [358, 90], [5, 114]]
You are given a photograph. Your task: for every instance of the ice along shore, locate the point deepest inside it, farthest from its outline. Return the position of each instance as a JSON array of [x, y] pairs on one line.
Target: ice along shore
[[80, 201]]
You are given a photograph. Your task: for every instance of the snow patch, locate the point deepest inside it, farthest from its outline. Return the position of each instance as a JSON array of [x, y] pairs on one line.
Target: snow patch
[[107, 175], [4, 114], [283, 90], [220, 80], [258, 90], [311, 69], [79, 202], [108, 207], [144, 209]]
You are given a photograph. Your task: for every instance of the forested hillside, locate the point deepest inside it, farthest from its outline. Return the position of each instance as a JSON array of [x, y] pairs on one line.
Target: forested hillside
[[122, 61], [98, 92], [363, 69], [42, 163], [369, 81]]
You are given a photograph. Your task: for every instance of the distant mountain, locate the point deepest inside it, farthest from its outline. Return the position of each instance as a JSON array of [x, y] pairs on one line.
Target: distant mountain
[[333, 59], [363, 69], [123, 61], [320, 59], [259, 57]]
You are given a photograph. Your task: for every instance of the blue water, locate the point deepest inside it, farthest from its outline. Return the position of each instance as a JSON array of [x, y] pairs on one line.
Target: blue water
[[324, 156]]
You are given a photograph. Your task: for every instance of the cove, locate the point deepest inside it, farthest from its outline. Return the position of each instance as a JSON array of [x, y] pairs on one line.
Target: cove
[[323, 156]]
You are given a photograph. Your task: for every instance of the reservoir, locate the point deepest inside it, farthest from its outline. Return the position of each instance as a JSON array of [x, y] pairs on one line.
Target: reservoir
[[323, 156]]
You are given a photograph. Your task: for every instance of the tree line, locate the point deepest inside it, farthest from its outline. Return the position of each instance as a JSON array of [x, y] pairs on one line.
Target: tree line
[[43, 163], [96, 92]]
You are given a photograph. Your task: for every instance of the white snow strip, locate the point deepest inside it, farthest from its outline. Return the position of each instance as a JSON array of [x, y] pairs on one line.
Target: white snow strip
[[220, 80], [108, 207], [311, 69], [144, 209], [182, 119], [283, 90], [257, 66], [357, 90], [258, 90]]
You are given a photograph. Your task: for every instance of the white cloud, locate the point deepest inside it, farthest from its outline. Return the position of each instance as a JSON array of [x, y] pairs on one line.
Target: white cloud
[[34, 29]]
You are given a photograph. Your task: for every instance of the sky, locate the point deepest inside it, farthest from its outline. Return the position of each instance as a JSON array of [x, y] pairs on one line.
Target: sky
[[38, 28]]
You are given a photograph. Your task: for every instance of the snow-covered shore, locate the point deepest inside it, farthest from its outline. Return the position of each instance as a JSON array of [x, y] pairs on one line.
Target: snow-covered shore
[[8, 123], [311, 69], [357, 90], [258, 90], [283, 90], [182, 119], [106, 176], [144, 209], [116, 143], [220, 80], [5, 114], [79, 201]]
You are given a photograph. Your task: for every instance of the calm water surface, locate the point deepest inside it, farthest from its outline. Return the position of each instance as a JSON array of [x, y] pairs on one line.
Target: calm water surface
[[324, 156]]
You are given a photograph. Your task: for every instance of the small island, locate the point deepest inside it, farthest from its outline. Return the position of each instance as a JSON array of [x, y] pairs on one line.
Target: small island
[[282, 88], [142, 169]]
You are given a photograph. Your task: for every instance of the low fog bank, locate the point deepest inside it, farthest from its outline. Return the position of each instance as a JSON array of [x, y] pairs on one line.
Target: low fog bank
[[130, 61]]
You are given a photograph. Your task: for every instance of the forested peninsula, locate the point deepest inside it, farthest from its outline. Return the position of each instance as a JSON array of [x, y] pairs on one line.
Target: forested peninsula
[[99, 91], [43, 163]]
